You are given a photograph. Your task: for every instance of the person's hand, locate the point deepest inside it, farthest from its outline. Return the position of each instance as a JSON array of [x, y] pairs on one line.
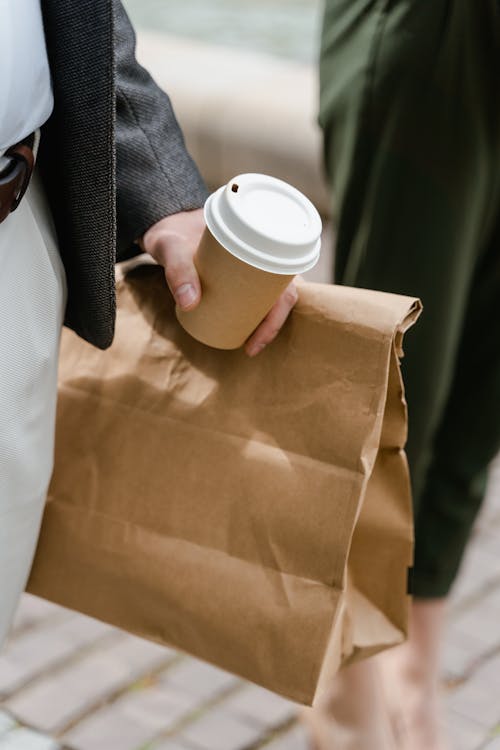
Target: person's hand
[[173, 242], [274, 320]]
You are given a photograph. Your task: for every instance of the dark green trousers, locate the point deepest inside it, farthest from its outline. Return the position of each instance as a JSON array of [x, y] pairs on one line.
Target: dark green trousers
[[410, 107]]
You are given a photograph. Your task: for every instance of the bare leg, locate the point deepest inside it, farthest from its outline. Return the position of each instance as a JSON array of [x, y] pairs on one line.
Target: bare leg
[[411, 675], [353, 714]]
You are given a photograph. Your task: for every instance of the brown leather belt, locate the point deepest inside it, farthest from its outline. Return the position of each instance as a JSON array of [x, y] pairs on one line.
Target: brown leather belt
[[15, 178]]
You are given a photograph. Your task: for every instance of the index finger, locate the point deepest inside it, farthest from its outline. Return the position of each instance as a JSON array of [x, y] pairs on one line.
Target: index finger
[[273, 322]]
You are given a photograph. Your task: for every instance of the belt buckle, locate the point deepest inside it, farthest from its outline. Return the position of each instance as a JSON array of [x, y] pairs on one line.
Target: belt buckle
[[15, 179]]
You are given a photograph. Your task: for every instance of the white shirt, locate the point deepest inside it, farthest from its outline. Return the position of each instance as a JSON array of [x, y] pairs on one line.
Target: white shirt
[[26, 100]]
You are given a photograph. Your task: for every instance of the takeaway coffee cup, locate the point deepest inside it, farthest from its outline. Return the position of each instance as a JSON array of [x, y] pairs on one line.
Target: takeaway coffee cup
[[261, 232]]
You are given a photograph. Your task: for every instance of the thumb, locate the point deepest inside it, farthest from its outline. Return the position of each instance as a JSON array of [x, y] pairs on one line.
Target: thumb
[[182, 279], [180, 271], [172, 242]]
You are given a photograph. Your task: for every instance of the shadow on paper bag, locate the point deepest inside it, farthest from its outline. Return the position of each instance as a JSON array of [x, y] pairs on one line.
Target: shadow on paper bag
[[252, 512]]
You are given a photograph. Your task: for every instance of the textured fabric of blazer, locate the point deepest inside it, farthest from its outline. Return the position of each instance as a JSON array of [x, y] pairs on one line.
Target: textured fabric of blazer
[[112, 156]]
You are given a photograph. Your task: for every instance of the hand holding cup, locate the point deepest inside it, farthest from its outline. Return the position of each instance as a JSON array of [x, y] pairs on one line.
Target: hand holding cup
[[173, 242], [261, 232]]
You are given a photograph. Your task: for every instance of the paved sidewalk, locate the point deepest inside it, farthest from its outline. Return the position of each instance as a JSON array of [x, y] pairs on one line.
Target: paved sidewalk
[[67, 681]]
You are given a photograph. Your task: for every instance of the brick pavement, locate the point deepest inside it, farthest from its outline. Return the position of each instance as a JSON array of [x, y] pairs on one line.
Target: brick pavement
[[67, 681]]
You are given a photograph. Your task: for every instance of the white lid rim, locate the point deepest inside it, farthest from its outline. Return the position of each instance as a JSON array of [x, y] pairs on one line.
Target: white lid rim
[[248, 254], [257, 259]]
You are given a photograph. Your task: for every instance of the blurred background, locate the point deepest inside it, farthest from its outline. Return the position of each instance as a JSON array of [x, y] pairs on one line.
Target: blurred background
[[287, 28], [242, 77]]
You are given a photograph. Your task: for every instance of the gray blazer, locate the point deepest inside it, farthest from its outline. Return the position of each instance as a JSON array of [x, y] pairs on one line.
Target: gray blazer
[[112, 156]]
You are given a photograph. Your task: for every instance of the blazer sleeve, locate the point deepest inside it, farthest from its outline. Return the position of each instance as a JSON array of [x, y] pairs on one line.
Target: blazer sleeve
[[155, 175]]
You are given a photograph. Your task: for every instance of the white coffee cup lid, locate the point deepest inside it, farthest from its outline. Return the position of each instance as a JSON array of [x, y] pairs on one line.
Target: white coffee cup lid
[[265, 222]]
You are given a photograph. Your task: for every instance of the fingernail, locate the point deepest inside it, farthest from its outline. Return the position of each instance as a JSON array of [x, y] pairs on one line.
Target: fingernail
[[185, 295], [255, 349]]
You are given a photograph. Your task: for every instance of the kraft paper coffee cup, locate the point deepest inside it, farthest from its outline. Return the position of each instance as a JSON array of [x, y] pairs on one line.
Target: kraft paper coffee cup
[[261, 232]]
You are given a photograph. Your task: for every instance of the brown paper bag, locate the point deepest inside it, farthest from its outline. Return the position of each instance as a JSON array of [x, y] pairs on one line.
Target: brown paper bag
[[252, 512]]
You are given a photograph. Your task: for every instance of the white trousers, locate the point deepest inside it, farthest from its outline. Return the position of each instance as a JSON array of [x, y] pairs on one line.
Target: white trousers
[[32, 301]]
